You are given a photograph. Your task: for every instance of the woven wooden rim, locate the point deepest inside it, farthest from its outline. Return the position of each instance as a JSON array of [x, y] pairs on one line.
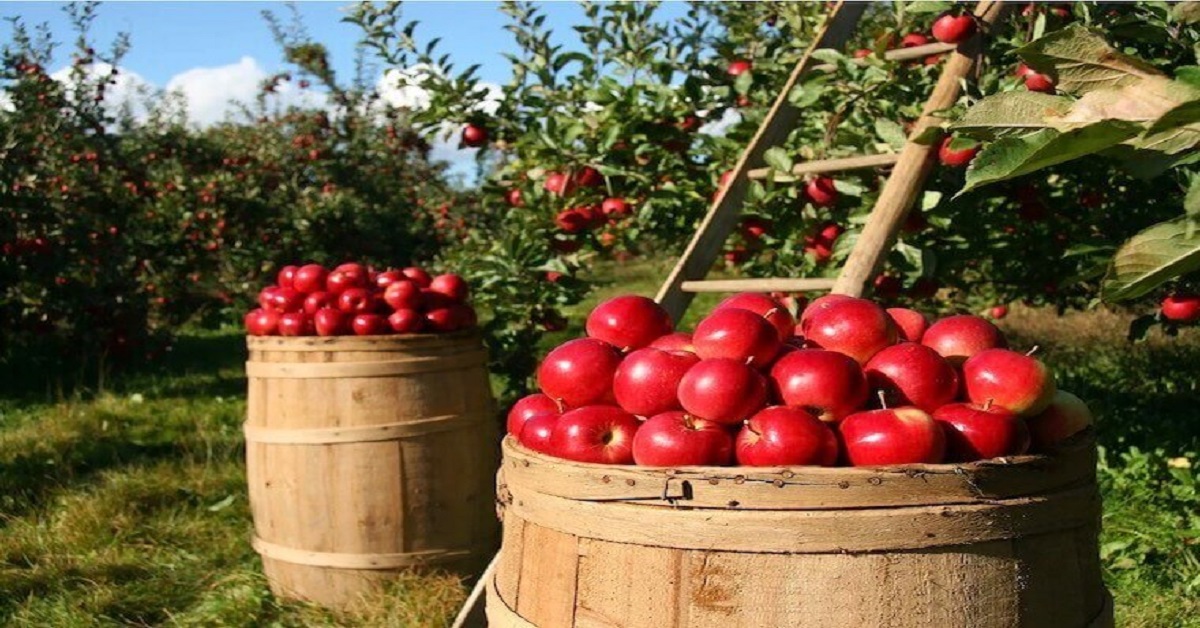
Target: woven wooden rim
[[360, 433], [805, 531], [389, 342], [803, 488], [295, 556], [346, 370], [499, 614]]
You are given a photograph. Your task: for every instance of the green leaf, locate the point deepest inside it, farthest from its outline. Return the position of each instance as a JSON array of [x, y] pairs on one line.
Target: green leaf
[[1082, 61], [890, 132], [1010, 157], [743, 82], [962, 143], [1188, 74], [926, 7], [929, 136], [1186, 12], [1150, 258], [1191, 202], [1011, 112], [778, 159]]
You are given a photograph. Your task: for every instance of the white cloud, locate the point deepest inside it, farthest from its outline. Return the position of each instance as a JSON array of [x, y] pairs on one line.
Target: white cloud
[[719, 127], [127, 88], [212, 94]]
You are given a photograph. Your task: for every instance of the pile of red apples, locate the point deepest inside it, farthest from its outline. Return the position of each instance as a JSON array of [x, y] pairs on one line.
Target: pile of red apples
[[849, 383], [355, 299]]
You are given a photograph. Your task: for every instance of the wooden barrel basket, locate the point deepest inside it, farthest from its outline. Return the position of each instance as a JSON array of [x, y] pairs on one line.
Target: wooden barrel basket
[[366, 456], [995, 544]]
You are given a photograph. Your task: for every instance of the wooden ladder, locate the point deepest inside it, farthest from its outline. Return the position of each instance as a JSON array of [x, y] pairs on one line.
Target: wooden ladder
[[910, 168]]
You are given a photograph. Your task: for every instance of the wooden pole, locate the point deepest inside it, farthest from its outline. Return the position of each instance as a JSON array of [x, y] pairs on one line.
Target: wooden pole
[[829, 165], [913, 167], [722, 215]]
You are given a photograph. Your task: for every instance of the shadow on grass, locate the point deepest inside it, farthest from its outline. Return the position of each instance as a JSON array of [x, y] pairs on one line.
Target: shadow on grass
[[136, 594], [29, 480], [200, 363]]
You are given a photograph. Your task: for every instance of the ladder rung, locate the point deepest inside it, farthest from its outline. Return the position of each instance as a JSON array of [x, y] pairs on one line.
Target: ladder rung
[[759, 285], [831, 165], [916, 52]]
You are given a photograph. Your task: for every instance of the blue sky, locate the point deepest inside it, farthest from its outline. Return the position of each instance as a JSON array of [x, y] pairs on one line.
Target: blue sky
[[173, 37]]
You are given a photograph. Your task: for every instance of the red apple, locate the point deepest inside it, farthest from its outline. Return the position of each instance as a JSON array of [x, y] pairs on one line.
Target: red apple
[[558, 183], [262, 322], [266, 296], [286, 277], [998, 312], [284, 300], [318, 300], [1006, 378], [856, 327], [528, 407], [340, 281], [1035, 81], [1181, 308], [825, 383], [911, 323], [296, 324], [953, 29], [777, 315], [821, 192], [614, 207], [912, 40], [738, 67], [310, 278], [537, 431], [675, 341], [417, 276], [1066, 416], [450, 285], [909, 374], [738, 335], [403, 295], [588, 177], [955, 158], [450, 318], [722, 390], [678, 439], [387, 278], [628, 322], [819, 304], [406, 321], [357, 301], [981, 432], [959, 337], [646, 381], [474, 135], [572, 220], [782, 436], [329, 321], [580, 372], [369, 325], [598, 434], [513, 198], [892, 436]]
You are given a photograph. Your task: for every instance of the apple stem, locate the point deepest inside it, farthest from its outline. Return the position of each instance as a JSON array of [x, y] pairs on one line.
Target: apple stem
[[987, 405], [1033, 350], [883, 400]]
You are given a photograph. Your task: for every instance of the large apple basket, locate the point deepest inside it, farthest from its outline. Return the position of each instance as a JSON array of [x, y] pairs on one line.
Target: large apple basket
[[367, 456], [1009, 542]]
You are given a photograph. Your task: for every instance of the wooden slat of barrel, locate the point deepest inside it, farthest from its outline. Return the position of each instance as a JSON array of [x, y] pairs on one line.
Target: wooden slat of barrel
[[1029, 560], [367, 456]]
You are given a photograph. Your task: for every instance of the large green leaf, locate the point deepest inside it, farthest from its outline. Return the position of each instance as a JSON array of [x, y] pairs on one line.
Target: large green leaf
[[1011, 112], [1082, 61], [1154, 256], [1010, 157]]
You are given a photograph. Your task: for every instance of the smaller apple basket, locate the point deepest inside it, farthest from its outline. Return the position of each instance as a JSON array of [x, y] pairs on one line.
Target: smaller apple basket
[[901, 500]]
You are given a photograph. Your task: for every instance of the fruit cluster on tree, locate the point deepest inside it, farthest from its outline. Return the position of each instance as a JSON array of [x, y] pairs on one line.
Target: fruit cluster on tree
[[355, 299], [654, 112], [116, 229], [850, 382]]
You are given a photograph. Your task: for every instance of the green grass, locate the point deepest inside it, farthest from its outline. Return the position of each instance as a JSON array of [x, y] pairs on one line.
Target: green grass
[[129, 507]]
